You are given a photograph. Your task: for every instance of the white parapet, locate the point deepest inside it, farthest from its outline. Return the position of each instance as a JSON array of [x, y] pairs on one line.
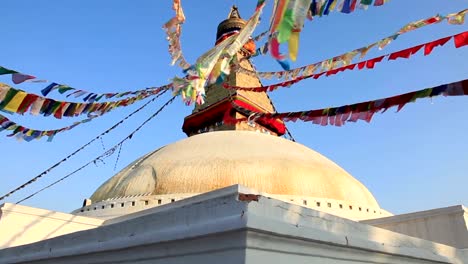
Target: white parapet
[[21, 225], [234, 225], [447, 225]]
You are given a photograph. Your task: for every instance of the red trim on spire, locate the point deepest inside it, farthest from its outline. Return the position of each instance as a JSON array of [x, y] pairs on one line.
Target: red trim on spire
[[221, 111]]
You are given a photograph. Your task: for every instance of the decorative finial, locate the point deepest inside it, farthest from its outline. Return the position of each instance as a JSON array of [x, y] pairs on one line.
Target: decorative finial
[[233, 23], [234, 12]]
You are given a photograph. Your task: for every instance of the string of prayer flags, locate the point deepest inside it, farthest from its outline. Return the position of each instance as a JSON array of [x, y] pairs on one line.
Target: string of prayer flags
[[23, 133], [214, 64], [260, 36], [338, 116], [95, 97], [460, 40], [17, 101], [346, 58], [192, 87], [103, 155], [289, 16], [27, 134], [292, 24], [286, 23], [17, 77], [279, 10], [173, 29], [87, 96], [324, 7]]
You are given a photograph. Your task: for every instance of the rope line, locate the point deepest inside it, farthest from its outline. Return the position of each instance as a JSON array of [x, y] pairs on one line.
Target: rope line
[[80, 149], [103, 155]]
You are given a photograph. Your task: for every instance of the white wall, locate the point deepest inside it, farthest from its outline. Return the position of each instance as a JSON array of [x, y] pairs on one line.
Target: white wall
[[447, 226], [21, 225]]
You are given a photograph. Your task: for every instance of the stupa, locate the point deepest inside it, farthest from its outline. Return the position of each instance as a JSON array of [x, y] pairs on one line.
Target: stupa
[[218, 154], [232, 192]]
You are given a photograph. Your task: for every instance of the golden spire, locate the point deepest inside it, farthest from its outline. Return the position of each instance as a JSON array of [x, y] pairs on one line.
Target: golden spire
[[219, 101], [232, 23], [234, 12]]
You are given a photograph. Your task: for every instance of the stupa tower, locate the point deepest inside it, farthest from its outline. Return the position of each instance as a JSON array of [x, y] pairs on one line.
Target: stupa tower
[[234, 153], [220, 102]]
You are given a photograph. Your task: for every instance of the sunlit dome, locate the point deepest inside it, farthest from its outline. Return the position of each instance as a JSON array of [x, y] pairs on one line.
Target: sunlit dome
[[210, 161]]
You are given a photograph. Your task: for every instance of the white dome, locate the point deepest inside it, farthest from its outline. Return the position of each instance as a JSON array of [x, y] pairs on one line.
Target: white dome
[[210, 161]]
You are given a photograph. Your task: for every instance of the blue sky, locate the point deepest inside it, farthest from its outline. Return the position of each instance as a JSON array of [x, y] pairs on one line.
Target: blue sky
[[412, 160]]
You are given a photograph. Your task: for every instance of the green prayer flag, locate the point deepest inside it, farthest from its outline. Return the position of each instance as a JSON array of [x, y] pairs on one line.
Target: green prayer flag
[[99, 97], [63, 88], [55, 106], [286, 26], [6, 71], [11, 93], [421, 94]]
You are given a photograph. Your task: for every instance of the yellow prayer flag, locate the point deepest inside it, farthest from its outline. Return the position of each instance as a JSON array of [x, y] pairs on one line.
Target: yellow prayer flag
[[333, 5], [15, 102], [293, 45]]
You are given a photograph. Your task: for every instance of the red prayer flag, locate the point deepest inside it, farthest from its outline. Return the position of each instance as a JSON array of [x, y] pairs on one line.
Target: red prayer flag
[[378, 2], [338, 120], [354, 116], [415, 49], [371, 63], [350, 67], [324, 120], [400, 54], [275, 49], [316, 76], [331, 72], [432, 20], [331, 120], [461, 39], [405, 53], [345, 116], [403, 99], [369, 116], [316, 120], [361, 65], [26, 104], [431, 45], [465, 86], [353, 5], [58, 113]]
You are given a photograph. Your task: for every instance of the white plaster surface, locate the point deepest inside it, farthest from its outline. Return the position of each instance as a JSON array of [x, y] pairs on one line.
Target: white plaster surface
[[21, 225], [227, 226], [444, 225]]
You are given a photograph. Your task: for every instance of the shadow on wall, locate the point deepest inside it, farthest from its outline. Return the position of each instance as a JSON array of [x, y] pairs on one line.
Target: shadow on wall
[[21, 225], [403, 245], [24, 232], [385, 246]]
